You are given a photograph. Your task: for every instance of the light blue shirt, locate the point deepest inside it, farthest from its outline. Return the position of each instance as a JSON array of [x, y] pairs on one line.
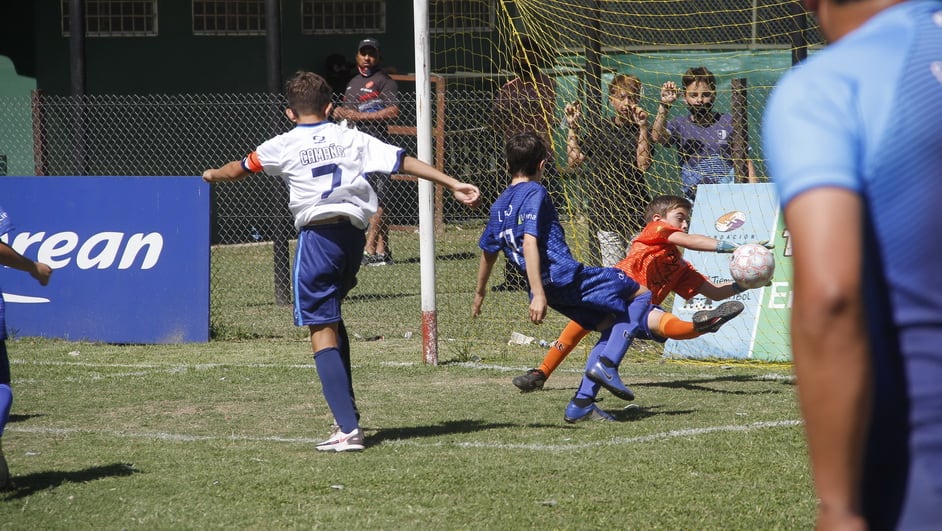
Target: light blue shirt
[[865, 115]]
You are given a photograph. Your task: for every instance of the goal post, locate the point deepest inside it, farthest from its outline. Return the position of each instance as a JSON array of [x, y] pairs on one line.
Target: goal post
[[423, 99], [585, 47]]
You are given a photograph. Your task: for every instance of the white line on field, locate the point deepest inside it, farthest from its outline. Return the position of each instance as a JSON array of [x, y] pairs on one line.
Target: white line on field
[[206, 366], [167, 366], [623, 441], [150, 368], [175, 368], [159, 436], [616, 441], [576, 370]]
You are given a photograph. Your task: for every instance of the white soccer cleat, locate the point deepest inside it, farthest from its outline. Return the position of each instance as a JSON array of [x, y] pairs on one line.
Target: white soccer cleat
[[342, 442]]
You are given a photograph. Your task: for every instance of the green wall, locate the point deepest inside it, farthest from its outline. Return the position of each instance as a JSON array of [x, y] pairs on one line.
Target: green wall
[[16, 150], [177, 62]]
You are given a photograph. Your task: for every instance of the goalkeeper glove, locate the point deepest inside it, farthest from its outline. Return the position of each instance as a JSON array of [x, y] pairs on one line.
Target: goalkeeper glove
[[723, 246]]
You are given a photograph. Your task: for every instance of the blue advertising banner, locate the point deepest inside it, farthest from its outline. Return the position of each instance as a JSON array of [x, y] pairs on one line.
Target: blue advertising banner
[[739, 213], [130, 258]]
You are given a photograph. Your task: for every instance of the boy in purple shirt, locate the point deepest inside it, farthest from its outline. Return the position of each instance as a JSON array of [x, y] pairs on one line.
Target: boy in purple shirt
[[703, 138]]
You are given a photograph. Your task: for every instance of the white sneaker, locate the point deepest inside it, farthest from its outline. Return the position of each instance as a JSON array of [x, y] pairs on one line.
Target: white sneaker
[[342, 442]]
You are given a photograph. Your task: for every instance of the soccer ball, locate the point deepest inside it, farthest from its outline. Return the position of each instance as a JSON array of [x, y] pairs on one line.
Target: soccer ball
[[752, 265]]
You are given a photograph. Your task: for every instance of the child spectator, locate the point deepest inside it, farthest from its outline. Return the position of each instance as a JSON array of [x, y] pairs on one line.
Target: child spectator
[[656, 261], [703, 137], [323, 165], [524, 225], [618, 153]]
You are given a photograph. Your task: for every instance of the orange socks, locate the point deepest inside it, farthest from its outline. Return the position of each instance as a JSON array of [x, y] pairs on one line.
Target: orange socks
[[672, 327], [567, 341]]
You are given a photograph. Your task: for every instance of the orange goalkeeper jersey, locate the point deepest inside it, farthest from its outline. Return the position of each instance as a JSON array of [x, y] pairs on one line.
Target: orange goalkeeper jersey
[[655, 262]]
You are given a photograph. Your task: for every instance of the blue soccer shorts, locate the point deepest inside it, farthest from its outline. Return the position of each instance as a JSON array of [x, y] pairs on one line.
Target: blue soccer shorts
[[325, 270], [594, 295]]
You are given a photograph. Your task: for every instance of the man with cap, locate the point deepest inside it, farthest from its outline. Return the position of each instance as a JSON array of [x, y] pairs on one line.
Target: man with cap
[[369, 103]]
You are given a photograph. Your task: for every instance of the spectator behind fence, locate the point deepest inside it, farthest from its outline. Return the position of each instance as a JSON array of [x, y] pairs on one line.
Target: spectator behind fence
[[527, 103], [323, 165], [338, 72], [370, 102], [617, 151], [703, 138], [854, 146], [41, 272]]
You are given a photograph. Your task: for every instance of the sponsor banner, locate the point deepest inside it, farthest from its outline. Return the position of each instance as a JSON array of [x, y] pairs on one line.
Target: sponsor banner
[[130, 258], [739, 213]]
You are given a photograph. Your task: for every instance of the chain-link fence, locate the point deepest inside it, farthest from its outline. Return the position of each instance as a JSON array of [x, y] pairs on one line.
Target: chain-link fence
[[251, 228], [252, 232]]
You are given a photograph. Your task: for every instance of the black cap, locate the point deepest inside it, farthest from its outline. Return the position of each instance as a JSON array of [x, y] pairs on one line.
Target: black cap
[[369, 43]]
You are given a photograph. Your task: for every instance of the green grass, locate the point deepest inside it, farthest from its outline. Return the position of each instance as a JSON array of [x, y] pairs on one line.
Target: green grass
[[386, 301], [221, 435]]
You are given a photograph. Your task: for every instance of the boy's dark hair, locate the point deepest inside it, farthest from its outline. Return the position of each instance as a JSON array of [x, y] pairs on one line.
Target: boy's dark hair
[[662, 204], [524, 153], [307, 93], [699, 73]]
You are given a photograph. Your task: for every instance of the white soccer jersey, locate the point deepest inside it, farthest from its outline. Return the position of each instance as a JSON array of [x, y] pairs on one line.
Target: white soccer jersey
[[323, 165]]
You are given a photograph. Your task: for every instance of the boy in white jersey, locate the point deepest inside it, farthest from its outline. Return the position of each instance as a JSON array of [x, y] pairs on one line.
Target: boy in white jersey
[[323, 165]]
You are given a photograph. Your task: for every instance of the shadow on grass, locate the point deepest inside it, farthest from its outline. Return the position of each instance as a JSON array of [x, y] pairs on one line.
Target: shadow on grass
[[23, 418], [23, 486], [448, 427], [700, 384], [634, 412]]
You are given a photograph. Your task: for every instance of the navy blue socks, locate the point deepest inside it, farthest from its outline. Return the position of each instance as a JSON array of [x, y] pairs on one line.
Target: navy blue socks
[[335, 381]]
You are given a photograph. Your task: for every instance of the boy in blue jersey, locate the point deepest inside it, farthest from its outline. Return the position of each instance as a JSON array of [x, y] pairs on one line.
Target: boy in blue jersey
[[525, 226], [9, 257], [854, 145], [324, 165]]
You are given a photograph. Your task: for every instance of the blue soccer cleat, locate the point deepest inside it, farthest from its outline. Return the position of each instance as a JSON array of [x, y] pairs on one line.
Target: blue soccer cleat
[[607, 376], [575, 413]]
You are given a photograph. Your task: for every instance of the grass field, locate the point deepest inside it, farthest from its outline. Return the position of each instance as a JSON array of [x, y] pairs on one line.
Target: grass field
[[221, 435]]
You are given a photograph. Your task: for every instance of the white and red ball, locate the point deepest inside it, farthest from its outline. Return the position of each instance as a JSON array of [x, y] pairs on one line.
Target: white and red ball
[[752, 265]]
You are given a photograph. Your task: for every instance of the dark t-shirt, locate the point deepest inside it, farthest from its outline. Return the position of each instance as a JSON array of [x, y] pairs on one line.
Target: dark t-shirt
[[526, 104], [371, 93], [618, 189]]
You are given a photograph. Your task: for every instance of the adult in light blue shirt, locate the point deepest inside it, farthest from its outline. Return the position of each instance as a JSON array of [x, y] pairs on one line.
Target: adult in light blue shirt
[[853, 139]]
